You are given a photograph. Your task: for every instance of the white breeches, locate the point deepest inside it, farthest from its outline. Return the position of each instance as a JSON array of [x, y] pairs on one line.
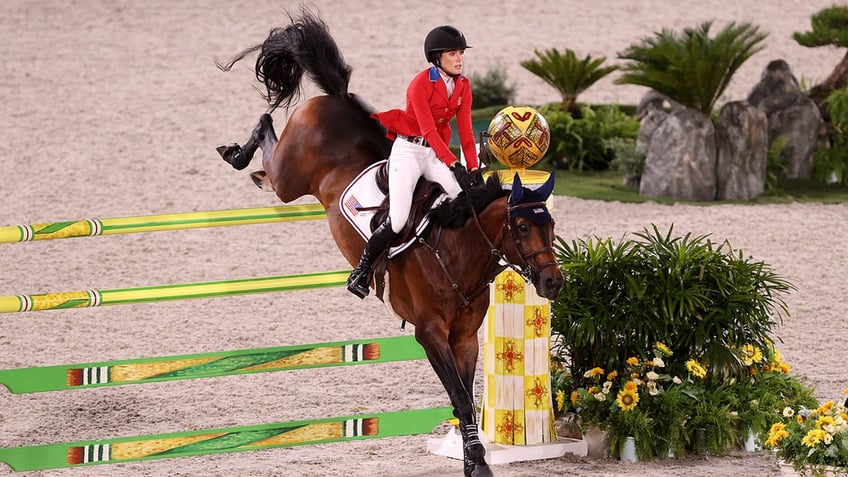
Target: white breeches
[[407, 163]]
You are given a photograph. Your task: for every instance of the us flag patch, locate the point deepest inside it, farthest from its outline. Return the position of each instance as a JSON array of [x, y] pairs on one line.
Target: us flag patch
[[352, 204]]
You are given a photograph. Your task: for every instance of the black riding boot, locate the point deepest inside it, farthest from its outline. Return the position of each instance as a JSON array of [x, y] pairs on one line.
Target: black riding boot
[[379, 242]]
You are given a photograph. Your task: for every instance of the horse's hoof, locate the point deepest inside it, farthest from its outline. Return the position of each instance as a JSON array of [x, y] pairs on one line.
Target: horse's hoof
[[234, 155], [260, 178], [482, 471]]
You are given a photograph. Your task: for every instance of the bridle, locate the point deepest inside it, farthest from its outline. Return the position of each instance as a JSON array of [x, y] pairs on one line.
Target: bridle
[[526, 269]]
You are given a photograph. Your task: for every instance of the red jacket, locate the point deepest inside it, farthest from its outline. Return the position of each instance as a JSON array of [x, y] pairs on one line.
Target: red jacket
[[428, 114]]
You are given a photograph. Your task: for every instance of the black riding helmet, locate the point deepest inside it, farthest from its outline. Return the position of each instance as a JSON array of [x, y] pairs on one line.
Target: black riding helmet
[[443, 38]]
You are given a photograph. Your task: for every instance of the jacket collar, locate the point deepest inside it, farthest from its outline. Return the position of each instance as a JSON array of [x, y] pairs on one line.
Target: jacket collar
[[435, 75]]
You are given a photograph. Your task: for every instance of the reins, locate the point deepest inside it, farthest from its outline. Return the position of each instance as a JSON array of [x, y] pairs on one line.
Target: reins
[[527, 271]]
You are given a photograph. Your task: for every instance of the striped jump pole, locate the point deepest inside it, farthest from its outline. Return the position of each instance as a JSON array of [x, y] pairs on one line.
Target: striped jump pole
[[126, 296], [223, 363], [156, 223], [230, 439]]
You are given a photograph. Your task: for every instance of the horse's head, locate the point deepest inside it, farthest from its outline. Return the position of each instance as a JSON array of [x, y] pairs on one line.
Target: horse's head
[[529, 235]]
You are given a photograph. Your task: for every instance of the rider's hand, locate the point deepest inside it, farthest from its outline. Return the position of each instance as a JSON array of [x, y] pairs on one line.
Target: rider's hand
[[462, 176]]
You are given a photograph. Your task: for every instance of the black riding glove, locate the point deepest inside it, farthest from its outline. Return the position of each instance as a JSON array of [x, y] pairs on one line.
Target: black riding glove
[[462, 176]]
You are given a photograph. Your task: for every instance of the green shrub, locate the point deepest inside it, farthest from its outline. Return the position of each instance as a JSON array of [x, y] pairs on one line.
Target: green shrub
[[831, 164], [492, 89], [619, 298], [581, 144], [667, 339], [626, 159]]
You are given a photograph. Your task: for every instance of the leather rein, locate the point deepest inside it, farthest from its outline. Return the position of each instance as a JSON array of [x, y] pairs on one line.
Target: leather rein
[[527, 270]]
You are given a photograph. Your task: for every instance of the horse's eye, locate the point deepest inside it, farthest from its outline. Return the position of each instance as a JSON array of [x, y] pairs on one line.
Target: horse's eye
[[523, 228]]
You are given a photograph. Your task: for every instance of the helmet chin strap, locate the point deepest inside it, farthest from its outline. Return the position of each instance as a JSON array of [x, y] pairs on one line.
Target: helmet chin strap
[[438, 64]]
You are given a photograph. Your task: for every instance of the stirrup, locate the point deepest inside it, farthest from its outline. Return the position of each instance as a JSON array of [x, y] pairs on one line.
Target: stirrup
[[358, 284]]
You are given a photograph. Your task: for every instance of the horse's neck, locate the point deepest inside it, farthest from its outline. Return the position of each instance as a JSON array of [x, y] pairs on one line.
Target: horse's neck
[[485, 237]]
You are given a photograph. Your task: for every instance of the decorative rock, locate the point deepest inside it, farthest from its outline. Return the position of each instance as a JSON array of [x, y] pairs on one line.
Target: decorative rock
[[648, 123], [742, 151], [791, 114], [680, 160], [775, 80]]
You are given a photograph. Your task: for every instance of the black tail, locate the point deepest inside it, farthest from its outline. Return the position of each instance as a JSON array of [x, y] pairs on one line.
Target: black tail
[[303, 46]]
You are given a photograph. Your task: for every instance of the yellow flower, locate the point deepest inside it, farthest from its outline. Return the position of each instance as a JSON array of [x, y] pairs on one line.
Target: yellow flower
[[632, 361], [612, 375], [813, 437], [824, 421], [750, 354], [594, 390], [825, 408], [775, 437], [560, 399], [593, 372], [573, 397], [777, 426], [784, 368], [845, 391], [627, 400], [661, 347], [630, 386], [696, 369]]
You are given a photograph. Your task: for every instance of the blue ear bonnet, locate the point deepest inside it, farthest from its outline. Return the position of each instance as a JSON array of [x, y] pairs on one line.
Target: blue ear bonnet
[[537, 213]]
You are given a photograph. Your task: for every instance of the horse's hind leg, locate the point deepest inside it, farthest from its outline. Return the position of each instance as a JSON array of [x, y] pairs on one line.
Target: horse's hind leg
[[240, 156], [435, 342]]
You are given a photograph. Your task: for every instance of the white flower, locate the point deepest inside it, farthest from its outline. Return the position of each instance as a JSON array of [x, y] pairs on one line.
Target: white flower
[[827, 439], [829, 428], [600, 396], [788, 412], [652, 375], [652, 388], [607, 387], [676, 380], [658, 362]]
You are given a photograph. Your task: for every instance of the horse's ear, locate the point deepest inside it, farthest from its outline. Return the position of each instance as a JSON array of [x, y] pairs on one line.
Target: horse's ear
[[517, 190], [544, 191]]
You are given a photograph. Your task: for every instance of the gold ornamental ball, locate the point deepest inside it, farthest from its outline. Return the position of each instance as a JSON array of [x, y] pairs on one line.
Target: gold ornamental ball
[[518, 136]]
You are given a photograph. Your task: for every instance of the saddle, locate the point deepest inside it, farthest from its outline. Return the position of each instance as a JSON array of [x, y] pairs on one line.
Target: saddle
[[423, 198]]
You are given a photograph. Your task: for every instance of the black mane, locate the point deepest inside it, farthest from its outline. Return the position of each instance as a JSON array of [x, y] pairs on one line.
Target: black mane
[[453, 214]]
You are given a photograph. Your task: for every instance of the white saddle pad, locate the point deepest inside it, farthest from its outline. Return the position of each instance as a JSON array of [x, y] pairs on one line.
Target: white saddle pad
[[361, 195]]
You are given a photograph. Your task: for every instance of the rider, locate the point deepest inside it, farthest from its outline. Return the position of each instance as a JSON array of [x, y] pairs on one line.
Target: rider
[[422, 133]]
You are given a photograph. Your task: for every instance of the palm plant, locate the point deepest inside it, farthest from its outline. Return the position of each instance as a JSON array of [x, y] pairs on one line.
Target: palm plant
[[567, 74], [828, 28], [690, 67]]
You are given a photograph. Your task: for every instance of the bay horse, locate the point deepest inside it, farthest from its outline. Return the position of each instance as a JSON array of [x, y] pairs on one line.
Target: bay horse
[[440, 285]]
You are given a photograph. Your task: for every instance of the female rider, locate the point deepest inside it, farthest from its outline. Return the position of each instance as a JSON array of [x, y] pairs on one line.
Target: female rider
[[422, 133]]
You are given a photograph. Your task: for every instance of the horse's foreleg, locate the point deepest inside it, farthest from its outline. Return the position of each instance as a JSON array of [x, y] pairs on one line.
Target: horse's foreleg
[[434, 339], [240, 156]]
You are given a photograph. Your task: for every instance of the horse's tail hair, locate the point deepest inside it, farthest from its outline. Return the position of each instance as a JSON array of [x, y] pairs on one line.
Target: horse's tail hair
[[303, 46]]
